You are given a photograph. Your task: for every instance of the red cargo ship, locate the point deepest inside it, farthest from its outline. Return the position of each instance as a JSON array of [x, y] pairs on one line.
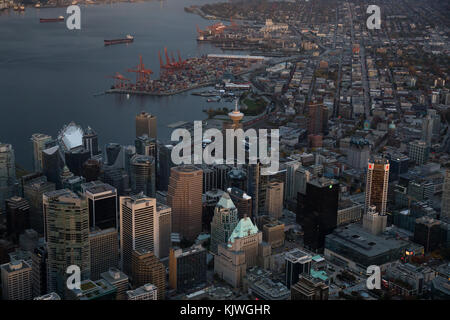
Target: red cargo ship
[[128, 39], [60, 18]]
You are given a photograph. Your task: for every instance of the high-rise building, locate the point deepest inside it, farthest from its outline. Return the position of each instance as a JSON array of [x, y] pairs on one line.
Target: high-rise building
[[274, 201], [237, 178], [164, 227], [104, 246], [418, 151], [146, 268], [17, 217], [39, 260], [298, 262], [117, 279], [242, 201], [146, 146], [222, 172], [187, 268], [143, 175], [16, 280], [257, 187], [137, 227], [291, 167], [66, 218], [75, 158], [52, 165], [377, 185], [427, 232], [427, 129], [317, 211], [185, 198], [302, 177], [358, 153], [102, 203], [146, 292], [33, 192], [39, 140], [92, 170], [308, 288], [90, 142], [224, 221], [7, 174], [318, 118], [146, 124], [244, 249], [445, 205], [374, 222], [113, 151], [165, 165]]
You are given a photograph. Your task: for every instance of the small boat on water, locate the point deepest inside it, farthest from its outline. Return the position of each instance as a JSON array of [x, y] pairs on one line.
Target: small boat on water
[[37, 5], [128, 39], [21, 8], [59, 19]]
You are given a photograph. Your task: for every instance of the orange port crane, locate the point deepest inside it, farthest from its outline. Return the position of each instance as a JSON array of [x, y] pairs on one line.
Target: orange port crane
[[120, 82], [142, 74], [171, 64]]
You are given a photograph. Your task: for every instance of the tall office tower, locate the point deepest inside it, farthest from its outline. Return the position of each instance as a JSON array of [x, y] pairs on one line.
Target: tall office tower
[[290, 192], [427, 129], [146, 124], [436, 118], [187, 268], [75, 158], [146, 292], [6, 247], [298, 263], [39, 140], [224, 221], [210, 200], [102, 203], [398, 164], [143, 175], [137, 227], [117, 279], [33, 192], [274, 202], [66, 217], [7, 174], [358, 153], [90, 142], [17, 217], [445, 204], [26, 179], [427, 232], [374, 222], [104, 246], [52, 165], [39, 260], [377, 185], [164, 227], [242, 201], [237, 178], [318, 118], [185, 198], [222, 171], [146, 146], [128, 153], [302, 177], [165, 165], [92, 170], [146, 268], [257, 187], [113, 151], [418, 151], [16, 280], [317, 211], [115, 177], [209, 177], [29, 240], [308, 288]]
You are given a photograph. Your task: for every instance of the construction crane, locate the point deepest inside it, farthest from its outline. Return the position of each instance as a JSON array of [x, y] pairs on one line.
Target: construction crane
[[120, 82], [142, 74]]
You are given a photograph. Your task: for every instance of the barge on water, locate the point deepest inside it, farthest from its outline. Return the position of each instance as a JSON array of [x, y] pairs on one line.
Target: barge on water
[[59, 19], [128, 39]]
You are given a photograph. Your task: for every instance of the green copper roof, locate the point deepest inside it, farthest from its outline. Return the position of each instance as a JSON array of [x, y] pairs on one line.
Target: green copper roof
[[226, 202], [244, 228], [322, 275]]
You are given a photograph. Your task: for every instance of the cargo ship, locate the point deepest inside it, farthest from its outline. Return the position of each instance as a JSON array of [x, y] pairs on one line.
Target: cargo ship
[[60, 18], [128, 39]]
